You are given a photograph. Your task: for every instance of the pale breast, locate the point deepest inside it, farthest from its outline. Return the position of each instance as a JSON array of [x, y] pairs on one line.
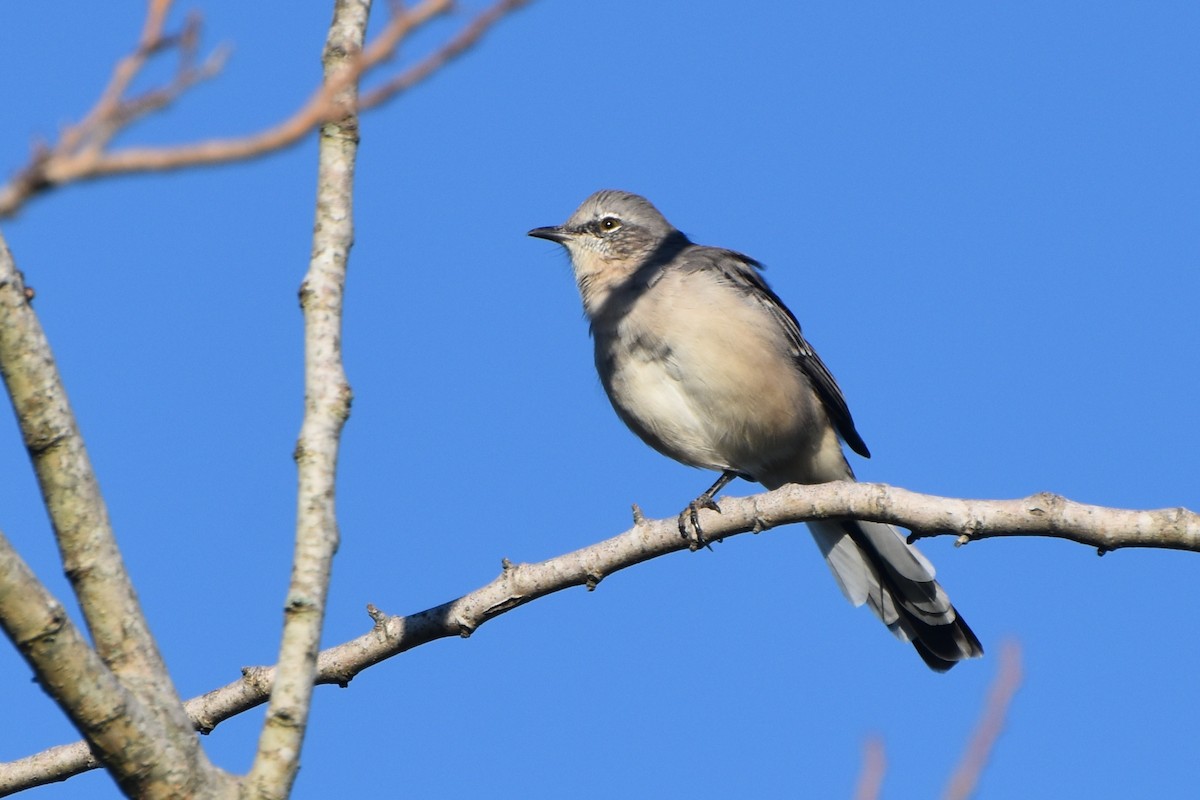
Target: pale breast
[[705, 377]]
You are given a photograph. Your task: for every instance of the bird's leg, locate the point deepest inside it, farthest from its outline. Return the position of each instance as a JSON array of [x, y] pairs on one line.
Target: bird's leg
[[691, 513]]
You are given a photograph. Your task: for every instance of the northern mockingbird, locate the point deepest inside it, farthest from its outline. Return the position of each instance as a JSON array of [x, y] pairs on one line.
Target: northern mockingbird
[[708, 366]]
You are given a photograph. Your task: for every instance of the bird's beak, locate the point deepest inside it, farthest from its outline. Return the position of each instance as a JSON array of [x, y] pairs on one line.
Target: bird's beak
[[554, 233]]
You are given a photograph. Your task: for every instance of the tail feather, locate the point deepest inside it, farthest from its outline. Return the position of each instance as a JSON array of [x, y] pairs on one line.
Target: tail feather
[[873, 564]]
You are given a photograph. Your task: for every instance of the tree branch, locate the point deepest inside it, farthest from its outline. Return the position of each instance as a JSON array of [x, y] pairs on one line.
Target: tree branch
[[519, 584], [82, 152], [115, 721], [870, 778], [326, 407], [91, 558], [1043, 514], [465, 40], [965, 780]]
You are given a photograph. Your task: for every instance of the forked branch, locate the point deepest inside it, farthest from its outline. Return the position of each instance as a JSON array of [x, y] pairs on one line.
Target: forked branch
[[83, 151], [518, 584]]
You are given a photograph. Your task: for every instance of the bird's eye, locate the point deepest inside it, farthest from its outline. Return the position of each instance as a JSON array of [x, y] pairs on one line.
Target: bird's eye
[[610, 224]]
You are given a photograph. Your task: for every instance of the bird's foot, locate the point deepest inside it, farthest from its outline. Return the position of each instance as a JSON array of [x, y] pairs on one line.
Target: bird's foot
[[689, 521]]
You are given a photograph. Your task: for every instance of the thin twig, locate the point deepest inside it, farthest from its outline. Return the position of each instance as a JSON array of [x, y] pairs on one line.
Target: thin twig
[[150, 42], [870, 779], [318, 109], [82, 153], [965, 780], [451, 50]]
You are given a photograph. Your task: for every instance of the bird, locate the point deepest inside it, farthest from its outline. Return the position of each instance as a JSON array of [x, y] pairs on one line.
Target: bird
[[705, 363]]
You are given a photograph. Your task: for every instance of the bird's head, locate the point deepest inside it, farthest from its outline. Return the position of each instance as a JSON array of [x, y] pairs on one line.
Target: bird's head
[[610, 236]]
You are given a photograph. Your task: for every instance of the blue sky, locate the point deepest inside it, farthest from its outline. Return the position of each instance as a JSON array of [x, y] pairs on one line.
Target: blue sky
[[983, 216]]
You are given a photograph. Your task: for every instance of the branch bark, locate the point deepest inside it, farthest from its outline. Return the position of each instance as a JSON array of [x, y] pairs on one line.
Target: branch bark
[[167, 758], [518, 584], [326, 408], [116, 723]]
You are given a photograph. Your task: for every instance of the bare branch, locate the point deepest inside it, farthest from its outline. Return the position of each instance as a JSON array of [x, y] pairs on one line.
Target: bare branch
[[519, 584], [150, 42], [1043, 514], [153, 100], [82, 152], [98, 705], [89, 550], [451, 50], [86, 141], [870, 779], [326, 408], [965, 780]]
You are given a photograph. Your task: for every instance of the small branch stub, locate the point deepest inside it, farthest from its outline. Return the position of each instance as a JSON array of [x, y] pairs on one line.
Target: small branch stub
[[377, 616]]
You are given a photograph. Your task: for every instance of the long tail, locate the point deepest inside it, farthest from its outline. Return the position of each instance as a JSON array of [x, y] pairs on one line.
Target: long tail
[[873, 564]]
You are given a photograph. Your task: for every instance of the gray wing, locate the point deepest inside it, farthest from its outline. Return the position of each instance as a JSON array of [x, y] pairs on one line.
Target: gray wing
[[742, 271]]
